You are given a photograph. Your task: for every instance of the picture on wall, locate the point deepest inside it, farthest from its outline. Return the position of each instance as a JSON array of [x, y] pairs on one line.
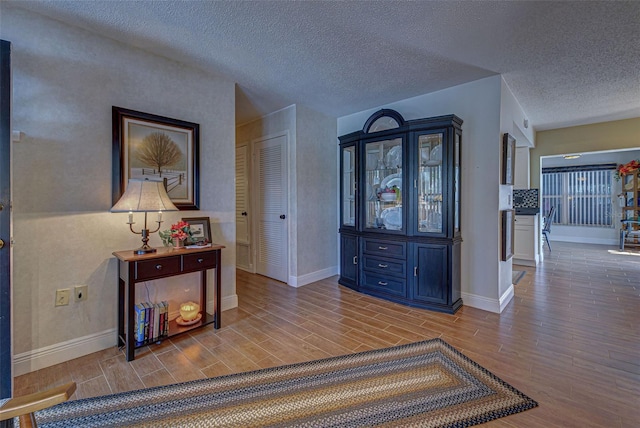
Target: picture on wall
[[508, 158], [158, 148], [508, 221]]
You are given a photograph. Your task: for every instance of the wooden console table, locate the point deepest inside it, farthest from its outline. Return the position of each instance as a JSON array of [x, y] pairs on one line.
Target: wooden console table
[[166, 262]]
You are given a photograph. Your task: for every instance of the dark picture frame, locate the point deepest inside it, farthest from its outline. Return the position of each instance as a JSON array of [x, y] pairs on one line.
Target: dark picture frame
[[508, 158], [508, 222], [156, 147], [200, 228]]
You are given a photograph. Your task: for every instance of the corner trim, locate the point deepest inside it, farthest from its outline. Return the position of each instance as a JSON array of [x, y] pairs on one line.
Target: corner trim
[[299, 281], [488, 304], [506, 297]]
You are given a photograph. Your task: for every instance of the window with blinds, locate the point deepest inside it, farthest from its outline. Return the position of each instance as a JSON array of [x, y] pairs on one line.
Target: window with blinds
[[583, 196]]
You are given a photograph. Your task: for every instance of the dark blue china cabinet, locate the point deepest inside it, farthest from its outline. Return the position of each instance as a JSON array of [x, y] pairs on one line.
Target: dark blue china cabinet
[[400, 210]]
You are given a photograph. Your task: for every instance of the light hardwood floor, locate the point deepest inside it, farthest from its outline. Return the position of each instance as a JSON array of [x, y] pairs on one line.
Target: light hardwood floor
[[569, 339]]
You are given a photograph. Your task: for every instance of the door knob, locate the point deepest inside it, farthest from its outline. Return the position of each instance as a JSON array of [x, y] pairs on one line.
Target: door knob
[[282, 216], [244, 213], [1, 243]]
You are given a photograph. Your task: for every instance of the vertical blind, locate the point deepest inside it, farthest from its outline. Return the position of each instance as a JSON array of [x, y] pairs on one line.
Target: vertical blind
[[582, 197]]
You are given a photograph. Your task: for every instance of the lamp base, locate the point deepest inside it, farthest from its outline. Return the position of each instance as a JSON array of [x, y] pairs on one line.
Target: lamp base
[[145, 249]]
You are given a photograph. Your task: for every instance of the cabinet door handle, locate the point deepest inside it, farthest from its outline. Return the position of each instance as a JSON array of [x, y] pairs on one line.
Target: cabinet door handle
[[200, 260], [158, 267], [382, 283], [355, 260], [380, 265], [415, 271], [382, 248]]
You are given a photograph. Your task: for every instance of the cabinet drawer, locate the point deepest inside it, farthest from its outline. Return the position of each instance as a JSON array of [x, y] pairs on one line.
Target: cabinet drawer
[[524, 220], [385, 248], [157, 268], [384, 284], [385, 266], [198, 261]]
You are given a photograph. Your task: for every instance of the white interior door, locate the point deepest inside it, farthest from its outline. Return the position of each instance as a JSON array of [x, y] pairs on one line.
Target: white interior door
[[270, 166], [243, 239]]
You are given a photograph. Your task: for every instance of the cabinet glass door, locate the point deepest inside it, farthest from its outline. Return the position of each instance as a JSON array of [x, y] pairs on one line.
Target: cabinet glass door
[[383, 185], [429, 183], [348, 184]]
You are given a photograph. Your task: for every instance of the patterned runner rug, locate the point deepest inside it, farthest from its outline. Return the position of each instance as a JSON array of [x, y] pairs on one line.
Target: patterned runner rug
[[426, 384]]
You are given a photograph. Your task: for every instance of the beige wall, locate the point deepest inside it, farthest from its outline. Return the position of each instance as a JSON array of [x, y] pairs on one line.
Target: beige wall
[[312, 198], [65, 81], [317, 199], [619, 134]]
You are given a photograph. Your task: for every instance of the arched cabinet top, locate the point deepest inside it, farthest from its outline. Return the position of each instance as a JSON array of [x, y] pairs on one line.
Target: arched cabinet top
[[383, 120]]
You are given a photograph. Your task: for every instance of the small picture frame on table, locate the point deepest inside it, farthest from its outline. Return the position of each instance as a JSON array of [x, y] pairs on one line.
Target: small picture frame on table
[[200, 230], [508, 158]]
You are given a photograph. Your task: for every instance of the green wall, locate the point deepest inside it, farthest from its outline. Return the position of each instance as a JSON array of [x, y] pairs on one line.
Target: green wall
[[619, 134]]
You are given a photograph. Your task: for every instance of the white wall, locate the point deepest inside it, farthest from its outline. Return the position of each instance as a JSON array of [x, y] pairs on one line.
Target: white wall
[[317, 179], [522, 172], [478, 104], [65, 81], [512, 121]]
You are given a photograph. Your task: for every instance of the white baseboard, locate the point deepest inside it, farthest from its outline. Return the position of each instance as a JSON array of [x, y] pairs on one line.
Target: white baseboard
[[51, 355], [47, 356], [506, 297], [525, 262], [488, 304], [299, 281], [228, 302], [585, 240]]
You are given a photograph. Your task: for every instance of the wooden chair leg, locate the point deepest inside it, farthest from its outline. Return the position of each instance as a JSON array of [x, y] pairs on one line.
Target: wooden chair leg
[[28, 421]]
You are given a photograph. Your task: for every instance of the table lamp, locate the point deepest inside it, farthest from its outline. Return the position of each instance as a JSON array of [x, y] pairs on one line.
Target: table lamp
[[144, 195]]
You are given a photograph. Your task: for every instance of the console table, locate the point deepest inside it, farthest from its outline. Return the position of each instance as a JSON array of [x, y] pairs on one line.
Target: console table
[[136, 268]]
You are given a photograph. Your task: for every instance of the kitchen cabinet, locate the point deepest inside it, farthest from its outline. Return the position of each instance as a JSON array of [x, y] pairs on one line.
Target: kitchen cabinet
[[526, 240], [400, 210]]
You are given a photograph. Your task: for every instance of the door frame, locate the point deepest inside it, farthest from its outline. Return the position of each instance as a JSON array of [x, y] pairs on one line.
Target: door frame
[[6, 343], [253, 222]]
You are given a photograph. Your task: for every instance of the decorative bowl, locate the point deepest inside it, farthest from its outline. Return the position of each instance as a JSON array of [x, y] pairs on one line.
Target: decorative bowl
[[388, 196]]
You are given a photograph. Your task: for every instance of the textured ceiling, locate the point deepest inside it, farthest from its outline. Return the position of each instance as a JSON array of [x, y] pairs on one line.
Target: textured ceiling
[[568, 63]]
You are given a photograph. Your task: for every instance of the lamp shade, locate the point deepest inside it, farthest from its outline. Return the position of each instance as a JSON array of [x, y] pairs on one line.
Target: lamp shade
[[144, 195]]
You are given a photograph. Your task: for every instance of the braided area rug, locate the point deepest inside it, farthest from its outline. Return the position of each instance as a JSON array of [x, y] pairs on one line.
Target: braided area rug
[[425, 384]]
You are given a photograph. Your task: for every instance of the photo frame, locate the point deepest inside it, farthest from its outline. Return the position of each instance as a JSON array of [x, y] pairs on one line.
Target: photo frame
[[200, 228], [508, 222], [156, 147], [508, 158]]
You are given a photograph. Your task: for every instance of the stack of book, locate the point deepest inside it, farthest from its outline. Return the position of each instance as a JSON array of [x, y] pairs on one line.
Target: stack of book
[[152, 322]]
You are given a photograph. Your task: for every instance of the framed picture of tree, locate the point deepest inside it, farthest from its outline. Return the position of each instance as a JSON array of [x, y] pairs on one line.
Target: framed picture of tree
[[160, 148]]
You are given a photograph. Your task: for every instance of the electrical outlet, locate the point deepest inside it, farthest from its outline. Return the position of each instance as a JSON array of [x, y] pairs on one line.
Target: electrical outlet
[[81, 292], [62, 296]]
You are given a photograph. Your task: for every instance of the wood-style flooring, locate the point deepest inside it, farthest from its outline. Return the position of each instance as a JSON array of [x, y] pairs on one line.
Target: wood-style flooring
[[569, 339]]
